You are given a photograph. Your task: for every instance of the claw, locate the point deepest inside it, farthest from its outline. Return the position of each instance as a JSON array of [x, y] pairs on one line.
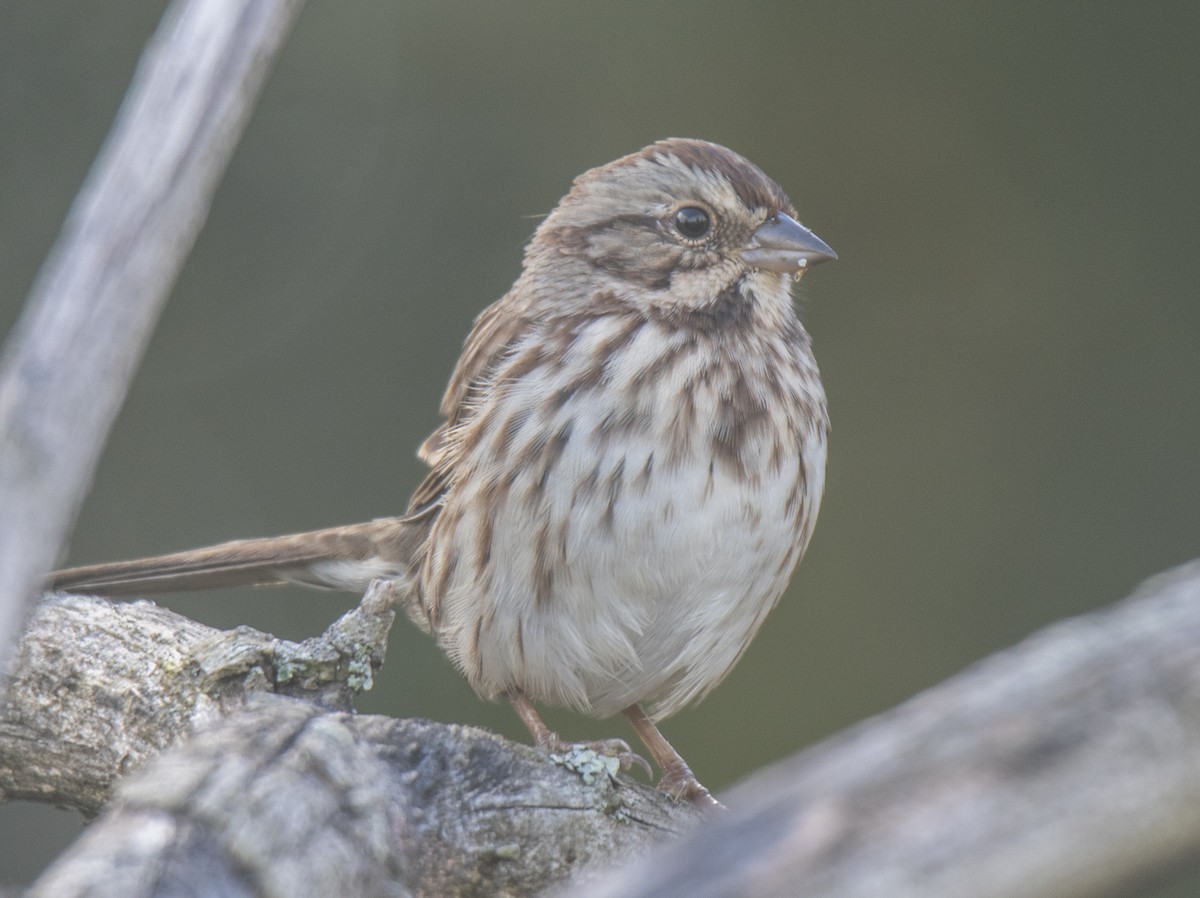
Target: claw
[[678, 781], [633, 758]]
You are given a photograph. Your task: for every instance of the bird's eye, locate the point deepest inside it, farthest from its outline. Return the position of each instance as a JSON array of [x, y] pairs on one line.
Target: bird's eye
[[692, 222]]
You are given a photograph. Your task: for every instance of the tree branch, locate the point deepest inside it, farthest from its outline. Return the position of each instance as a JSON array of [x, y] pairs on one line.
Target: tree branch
[[97, 688], [68, 362], [287, 797], [1063, 766]]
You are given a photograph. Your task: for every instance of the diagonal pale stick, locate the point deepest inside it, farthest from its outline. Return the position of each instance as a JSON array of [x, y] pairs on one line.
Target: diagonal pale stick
[[68, 362]]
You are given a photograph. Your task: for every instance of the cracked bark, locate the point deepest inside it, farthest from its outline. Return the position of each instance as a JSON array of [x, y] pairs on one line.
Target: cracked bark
[[99, 687]]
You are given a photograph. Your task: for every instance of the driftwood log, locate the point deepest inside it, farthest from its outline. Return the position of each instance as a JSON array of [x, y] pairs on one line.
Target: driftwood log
[[1068, 765]]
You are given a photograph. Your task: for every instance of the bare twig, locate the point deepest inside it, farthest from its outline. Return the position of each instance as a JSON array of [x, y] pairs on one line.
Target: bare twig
[[69, 360]]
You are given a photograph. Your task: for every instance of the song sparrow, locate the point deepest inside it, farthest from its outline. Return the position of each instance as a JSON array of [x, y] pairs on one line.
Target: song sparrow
[[630, 467]]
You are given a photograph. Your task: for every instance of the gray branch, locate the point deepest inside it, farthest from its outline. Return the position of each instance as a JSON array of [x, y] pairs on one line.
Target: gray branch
[[285, 799], [97, 688], [1064, 766], [68, 362]]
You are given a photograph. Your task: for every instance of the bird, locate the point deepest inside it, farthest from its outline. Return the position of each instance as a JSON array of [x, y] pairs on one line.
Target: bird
[[629, 467]]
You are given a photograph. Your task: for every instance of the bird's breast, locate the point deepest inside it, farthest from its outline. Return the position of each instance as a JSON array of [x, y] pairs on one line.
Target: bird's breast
[[620, 528]]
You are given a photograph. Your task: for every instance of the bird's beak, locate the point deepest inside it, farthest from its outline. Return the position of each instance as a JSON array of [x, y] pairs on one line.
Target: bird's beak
[[783, 244]]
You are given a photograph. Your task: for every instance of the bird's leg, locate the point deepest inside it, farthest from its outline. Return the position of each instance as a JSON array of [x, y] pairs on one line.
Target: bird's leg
[[545, 738], [677, 780]]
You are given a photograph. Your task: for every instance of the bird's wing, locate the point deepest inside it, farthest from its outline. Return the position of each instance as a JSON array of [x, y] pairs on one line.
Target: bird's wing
[[497, 330]]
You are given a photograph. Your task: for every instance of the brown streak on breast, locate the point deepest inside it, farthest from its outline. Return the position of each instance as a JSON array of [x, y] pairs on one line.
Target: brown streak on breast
[[614, 486], [565, 335], [679, 437], [740, 419], [586, 487], [617, 341], [753, 515], [543, 567], [483, 543], [797, 495], [508, 430], [788, 563], [629, 419], [586, 379], [643, 479], [797, 503], [550, 454]]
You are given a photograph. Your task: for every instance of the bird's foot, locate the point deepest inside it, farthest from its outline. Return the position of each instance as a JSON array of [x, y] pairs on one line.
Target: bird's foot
[[680, 783], [570, 754]]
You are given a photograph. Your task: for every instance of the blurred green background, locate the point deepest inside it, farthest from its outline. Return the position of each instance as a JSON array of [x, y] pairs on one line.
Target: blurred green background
[[1009, 341]]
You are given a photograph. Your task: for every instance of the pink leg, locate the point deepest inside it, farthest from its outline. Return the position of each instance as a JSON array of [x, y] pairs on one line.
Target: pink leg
[[678, 781]]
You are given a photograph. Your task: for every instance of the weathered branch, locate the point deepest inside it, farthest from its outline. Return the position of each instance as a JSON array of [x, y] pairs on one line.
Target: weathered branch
[[1066, 766], [68, 362], [97, 687], [287, 797]]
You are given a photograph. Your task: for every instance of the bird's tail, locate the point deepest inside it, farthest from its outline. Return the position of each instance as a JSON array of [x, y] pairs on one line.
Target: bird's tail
[[343, 558]]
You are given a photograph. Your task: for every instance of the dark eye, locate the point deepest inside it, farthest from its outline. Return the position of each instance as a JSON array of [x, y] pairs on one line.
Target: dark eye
[[692, 222]]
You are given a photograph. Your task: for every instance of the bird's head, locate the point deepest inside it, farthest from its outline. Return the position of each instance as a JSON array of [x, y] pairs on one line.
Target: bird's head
[[677, 226]]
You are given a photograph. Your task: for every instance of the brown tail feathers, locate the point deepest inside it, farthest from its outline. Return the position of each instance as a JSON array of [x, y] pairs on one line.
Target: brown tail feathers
[[344, 558]]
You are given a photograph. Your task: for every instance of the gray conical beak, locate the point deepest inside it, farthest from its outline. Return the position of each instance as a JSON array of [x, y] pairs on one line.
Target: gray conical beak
[[783, 244]]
